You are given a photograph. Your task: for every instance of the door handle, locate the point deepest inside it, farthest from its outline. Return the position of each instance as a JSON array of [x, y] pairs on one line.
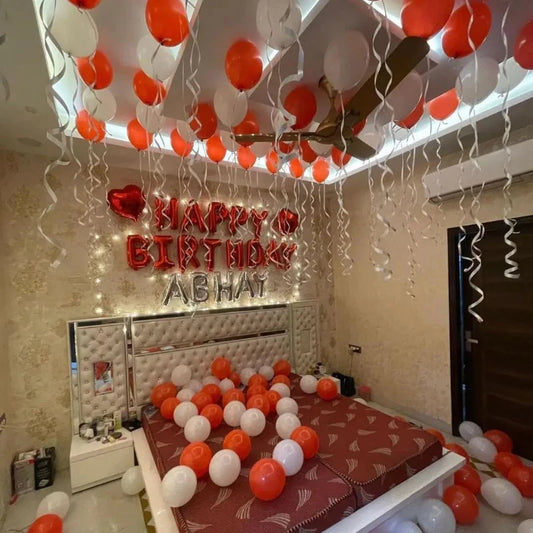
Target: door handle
[[472, 341], [469, 341]]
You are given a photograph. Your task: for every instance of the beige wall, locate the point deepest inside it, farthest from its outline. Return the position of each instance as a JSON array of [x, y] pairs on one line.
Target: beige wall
[[405, 357]]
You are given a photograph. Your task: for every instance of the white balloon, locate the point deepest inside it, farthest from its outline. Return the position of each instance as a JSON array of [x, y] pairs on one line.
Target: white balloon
[[502, 495], [512, 77], [149, 116], [246, 374], [197, 428], [57, 503], [132, 481], [283, 390], [319, 148], [253, 422], [157, 61], [267, 372], [233, 412], [224, 468], [290, 455], [74, 29], [286, 424], [278, 22], [482, 449], [230, 105], [525, 527], [228, 141], [286, 405], [308, 384], [185, 395], [225, 385], [185, 131], [181, 376], [407, 527], [473, 86], [178, 486], [184, 412], [468, 430], [99, 104], [260, 149], [346, 60], [405, 97], [374, 138], [434, 516], [208, 380]]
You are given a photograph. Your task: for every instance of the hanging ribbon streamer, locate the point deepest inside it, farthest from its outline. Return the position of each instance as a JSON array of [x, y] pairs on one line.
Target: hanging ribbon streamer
[[410, 221], [329, 236], [442, 215], [306, 276], [315, 226], [3, 37]]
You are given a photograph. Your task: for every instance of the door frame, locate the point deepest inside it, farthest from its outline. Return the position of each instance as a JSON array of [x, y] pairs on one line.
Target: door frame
[[457, 344]]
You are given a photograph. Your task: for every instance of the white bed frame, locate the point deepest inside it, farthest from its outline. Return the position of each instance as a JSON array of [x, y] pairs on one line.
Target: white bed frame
[[248, 337]]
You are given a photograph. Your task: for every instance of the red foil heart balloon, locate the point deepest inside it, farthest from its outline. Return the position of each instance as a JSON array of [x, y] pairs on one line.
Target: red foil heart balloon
[[287, 222], [127, 202]]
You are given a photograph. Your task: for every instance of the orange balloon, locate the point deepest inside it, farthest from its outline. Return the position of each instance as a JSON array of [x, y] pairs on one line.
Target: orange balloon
[[500, 439], [85, 4], [327, 389], [89, 128], [463, 504], [272, 162], [221, 368], [213, 391], [47, 523], [168, 406], [138, 136], [336, 155], [267, 479], [205, 123], [443, 106], [238, 441], [248, 126], [197, 456], [214, 414], [148, 90], [308, 440], [235, 378], [255, 389], [504, 461], [259, 401], [179, 144], [243, 65], [320, 170], [296, 168], [308, 154], [273, 397], [246, 157], [425, 18], [523, 48], [233, 395], [522, 478], [465, 29], [95, 71], [436, 433], [457, 448], [257, 379], [359, 127], [281, 379], [167, 21], [301, 102], [468, 477], [201, 400], [161, 392], [409, 121], [284, 148], [216, 151], [282, 367]]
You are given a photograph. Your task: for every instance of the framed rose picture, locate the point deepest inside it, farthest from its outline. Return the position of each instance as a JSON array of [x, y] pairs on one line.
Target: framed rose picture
[[103, 377]]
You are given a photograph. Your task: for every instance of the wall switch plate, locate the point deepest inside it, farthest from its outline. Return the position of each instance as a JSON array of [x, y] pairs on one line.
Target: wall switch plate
[[354, 348], [3, 422]]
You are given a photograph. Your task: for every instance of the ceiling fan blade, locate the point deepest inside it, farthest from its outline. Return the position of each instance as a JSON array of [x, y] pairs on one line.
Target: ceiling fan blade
[[288, 136], [356, 148]]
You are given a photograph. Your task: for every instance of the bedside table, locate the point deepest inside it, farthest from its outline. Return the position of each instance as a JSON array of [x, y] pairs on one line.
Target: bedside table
[[94, 463]]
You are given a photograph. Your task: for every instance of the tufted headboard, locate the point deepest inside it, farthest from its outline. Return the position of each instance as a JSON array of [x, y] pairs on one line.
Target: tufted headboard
[[144, 350]]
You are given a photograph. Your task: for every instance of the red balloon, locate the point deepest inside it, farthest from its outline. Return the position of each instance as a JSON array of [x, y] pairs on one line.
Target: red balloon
[[179, 144], [308, 154], [320, 170], [327, 389], [463, 504], [246, 157], [213, 391], [47, 523], [161, 392], [436, 433], [286, 223], [500, 439], [221, 368], [308, 440], [95, 71], [409, 121], [359, 127], [167, 21], [273, 397], [85, 4], [255, 389], [257, 379], [523, 48], [235, 378], [465, 29], [148, 90], [197, 456], [214, 414], [238, 441], [283, 147], [233, 395], [243, 65], [301, 102], [425, 18], [259, 401], [336, 156], [296, 168], [272, 162], [468, 477], [282, 367], [128, 202], [248, 126], [89, 128], [204, 124], [138, 136], [281, 378], [201, 400], [216, 151], [267, 479], [457, 448], [443, 106], [504, 461], [522, 478], [168, 406]]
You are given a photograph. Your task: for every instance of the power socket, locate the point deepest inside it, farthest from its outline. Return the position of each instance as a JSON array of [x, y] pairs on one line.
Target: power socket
[[354, 348], [3, 422]]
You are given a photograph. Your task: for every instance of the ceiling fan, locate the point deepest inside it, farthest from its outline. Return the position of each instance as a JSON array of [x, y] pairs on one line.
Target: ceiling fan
[[400, 62]]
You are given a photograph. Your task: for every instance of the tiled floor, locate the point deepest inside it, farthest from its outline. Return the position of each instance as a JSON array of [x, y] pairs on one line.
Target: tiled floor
[[105, 509]]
